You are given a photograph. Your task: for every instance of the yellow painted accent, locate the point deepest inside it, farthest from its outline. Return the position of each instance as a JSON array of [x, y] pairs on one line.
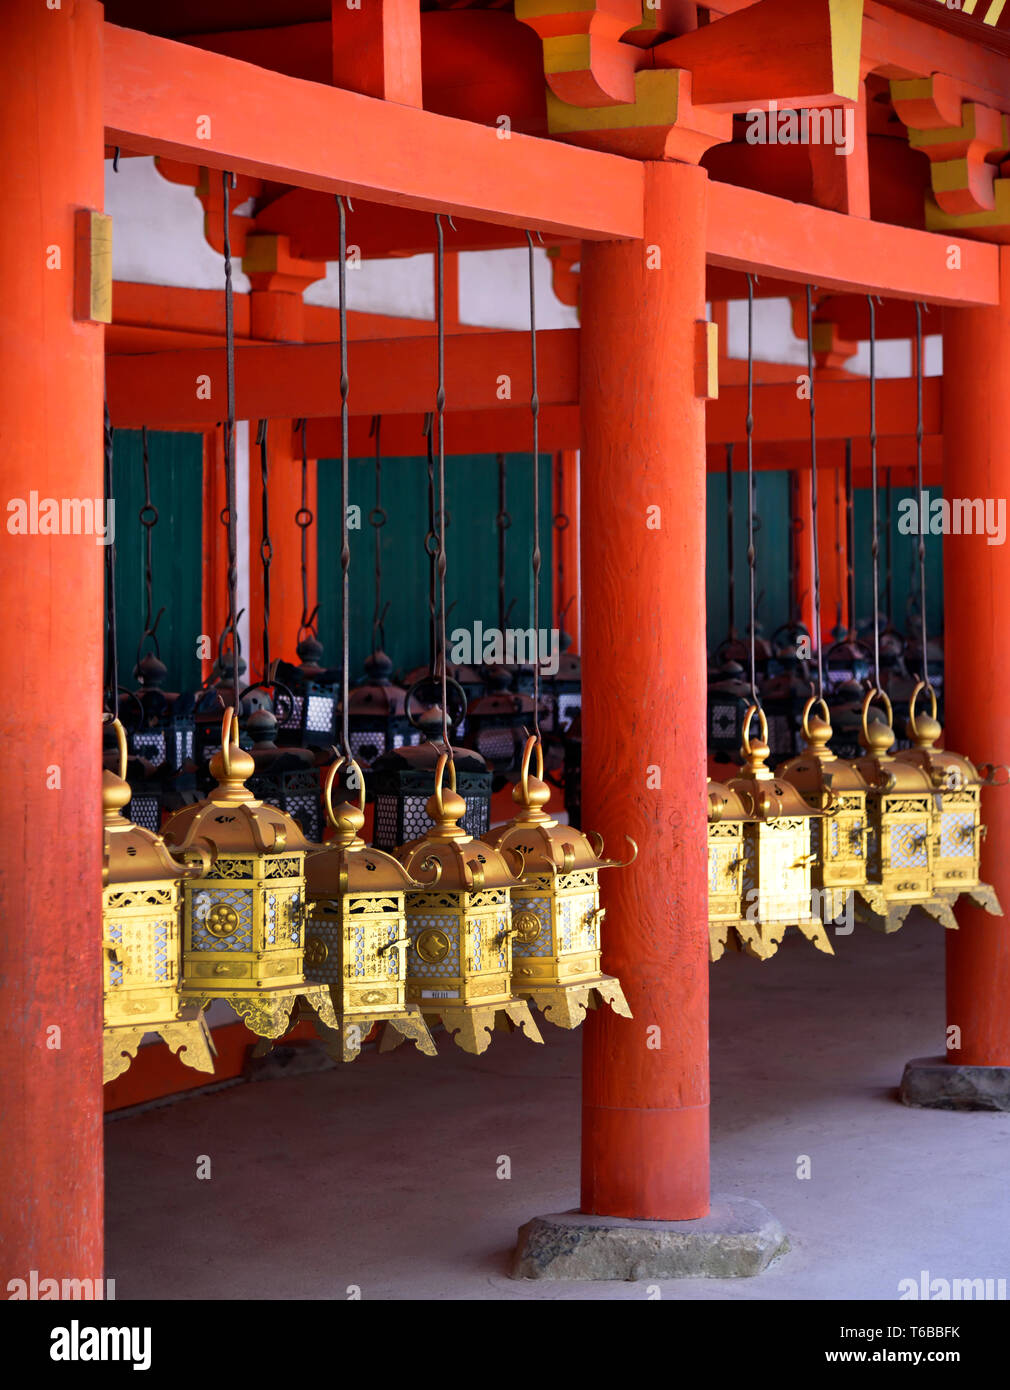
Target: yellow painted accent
[[657, 93], [911, 88], [260, 253], [969, 6], [567, 53], [93, 297], [532, 9], [712, 349], [949, 174], [999, 216], [994, 11], [846, 17]]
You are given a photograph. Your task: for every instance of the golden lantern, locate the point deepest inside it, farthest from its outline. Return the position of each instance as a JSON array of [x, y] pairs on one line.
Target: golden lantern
[[356, 931], [243, 916], [556, 913], [834, 786], [726, 855], [140, 931], [459, 962], [900, 806], [777, 856], [957, 824]]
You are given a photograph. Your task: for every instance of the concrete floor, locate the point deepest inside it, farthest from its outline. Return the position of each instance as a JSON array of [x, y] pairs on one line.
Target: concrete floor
[[382, 1174]]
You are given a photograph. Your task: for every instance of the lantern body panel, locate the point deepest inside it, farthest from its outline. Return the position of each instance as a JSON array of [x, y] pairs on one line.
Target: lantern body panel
[[142, 953], [460, 947], [243, 921]]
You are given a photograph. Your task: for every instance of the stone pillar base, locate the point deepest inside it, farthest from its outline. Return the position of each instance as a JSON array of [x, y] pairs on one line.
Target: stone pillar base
[[737, 1240], [934, 1083]]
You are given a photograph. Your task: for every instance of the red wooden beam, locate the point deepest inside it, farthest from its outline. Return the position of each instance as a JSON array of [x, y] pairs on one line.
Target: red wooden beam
[[754, 231], [179, 390], [168, 98], [843, 411]]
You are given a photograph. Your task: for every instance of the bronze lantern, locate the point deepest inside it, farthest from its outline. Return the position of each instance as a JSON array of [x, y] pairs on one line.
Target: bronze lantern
[[556, 913], [900, 806], [459, 961], [957, 823], [777, 855], [141, 939], [244, 914], [832, 785], [356, 932]]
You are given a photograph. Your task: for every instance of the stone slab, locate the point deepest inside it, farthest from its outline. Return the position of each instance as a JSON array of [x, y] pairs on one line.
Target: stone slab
[[934, 1083], [737, 1240]]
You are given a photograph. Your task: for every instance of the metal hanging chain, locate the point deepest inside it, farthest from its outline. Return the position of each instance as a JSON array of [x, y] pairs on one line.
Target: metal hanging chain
[[850, 539], [111, 653], [377, 518], [345, 471], [148, 517], [813, 494], [919, 432], [440, 419], [502, 522], [231, 499], [875, 545], [729, 541], [303, 520], [535, 557], [559, 521], [888, 576], [751, 553], [838, 549], [266, 547], [431, 542]]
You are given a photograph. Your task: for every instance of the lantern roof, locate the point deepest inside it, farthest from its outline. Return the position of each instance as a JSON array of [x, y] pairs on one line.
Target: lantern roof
[[231, 820]]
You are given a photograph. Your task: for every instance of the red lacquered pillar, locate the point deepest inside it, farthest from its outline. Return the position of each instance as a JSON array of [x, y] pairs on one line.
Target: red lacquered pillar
[[51, 137], [976, 463], [645, 1083]]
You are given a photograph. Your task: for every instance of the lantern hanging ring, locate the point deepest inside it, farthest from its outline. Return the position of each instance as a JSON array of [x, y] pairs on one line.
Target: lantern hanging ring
[[919, 687], [875, 693], [533, 741], [121, 744], [443, 759], [762, 725], [812, 703], [335, 767]]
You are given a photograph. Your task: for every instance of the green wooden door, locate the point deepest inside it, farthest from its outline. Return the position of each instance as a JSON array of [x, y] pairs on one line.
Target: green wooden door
[[176, 468]]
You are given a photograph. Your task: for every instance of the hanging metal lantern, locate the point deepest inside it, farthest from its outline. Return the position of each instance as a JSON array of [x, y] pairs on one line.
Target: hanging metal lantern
[[900, 809], [141, 939], [356, 932], [377, 712], [495, 722], [727, 924], [403, 779], [459, 962], [564, 690], [166, 735], [957, 820], [728, 702], [834, 786], [244, 915], [287, 778], [777, 854], [556, 913]]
